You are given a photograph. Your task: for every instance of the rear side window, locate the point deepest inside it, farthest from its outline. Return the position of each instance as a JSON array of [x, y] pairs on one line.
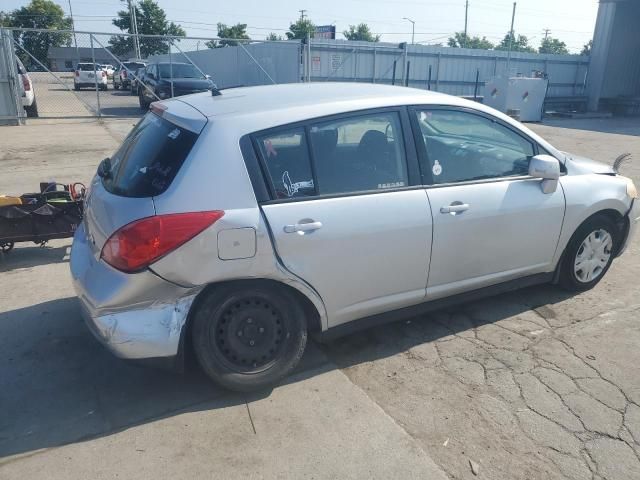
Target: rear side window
[[149, 158], [286, 157]]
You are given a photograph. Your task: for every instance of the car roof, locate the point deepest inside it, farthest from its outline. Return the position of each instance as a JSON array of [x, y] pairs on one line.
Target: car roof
[[251, 109]]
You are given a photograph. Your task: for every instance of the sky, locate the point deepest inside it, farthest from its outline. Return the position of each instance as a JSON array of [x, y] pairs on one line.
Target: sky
[[572, 21]]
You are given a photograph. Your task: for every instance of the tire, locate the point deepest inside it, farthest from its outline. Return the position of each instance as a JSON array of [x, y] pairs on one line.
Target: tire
[[116, 86], [143, 105], [596, 228], [32, 110], [76, 87], [228, 319]]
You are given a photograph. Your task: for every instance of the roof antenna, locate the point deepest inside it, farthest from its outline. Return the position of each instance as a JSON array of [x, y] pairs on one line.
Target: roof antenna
[[215, 92]]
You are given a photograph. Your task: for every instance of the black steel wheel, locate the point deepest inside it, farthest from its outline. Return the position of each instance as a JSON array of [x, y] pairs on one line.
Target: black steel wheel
[[6, 247], [249, 338]]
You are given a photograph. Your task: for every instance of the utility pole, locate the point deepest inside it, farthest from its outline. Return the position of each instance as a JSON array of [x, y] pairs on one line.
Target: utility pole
[[466, 16], [413, 29], [73, 27], [546, 32], [134, 28], [511, 37], [302, 14]]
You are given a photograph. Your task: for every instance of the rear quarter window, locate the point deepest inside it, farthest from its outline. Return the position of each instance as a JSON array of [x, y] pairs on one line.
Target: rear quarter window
[[149, 158]]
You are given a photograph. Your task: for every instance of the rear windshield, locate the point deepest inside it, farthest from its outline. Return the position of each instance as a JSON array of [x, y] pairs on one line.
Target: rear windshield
[[149, 158], [87, 67], [133, 65], [180, 70]]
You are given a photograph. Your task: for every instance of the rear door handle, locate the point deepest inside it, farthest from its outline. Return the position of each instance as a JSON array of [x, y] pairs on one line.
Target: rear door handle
[[302, 227], [455, 207]]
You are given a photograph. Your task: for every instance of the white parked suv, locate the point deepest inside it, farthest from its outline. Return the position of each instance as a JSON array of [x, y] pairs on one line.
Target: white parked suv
[[27, 92], [231, 224], [88, 74]]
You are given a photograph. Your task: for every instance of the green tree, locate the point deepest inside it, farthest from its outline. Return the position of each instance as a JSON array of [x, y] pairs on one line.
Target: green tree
[[360, 32], [239, 31], [39, 14], [301, 29], [586, 49], [151, 20], [518, 44], [273, 37], [461, 40], [553, 45]]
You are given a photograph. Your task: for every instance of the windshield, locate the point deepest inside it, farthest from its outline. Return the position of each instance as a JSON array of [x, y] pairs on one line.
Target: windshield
[[180, 70]]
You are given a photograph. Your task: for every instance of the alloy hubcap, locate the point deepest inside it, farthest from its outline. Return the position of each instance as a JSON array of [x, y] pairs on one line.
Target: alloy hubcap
[[250, 334], [593, 256]]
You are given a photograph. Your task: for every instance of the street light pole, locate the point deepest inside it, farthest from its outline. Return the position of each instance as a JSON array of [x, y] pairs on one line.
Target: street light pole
[[413, 29]]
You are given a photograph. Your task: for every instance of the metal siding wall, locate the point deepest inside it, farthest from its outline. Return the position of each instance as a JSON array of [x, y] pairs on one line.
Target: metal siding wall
[[622, 74], [231, 66], [453, 69]]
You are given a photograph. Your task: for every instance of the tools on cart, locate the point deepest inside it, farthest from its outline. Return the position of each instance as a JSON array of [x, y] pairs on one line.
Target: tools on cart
[[55, 212]]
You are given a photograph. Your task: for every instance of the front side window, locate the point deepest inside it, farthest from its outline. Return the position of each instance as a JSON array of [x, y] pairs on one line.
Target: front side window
[[286, 157], [462, 146], [358, 154]]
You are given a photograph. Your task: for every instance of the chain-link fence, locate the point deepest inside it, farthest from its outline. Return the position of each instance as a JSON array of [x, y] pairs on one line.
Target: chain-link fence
[[80, 74], [107, 74]]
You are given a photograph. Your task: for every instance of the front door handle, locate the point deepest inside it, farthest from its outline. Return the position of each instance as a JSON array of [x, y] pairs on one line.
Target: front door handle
[[302, 228], [455, 207]]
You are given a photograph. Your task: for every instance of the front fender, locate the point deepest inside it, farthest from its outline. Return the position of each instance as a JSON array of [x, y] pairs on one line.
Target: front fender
[[587, 195]]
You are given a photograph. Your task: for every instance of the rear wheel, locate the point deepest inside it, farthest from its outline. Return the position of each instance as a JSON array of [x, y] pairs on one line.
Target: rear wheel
[[32, 110], [589, 254], [248, 338], [76, 87], [116, 86]]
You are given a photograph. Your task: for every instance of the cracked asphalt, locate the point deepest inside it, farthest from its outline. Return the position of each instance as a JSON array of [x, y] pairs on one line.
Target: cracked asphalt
[[533, 384]]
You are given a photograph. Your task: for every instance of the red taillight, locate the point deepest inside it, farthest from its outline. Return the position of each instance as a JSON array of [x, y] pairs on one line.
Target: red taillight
[[77, 73], [26, 83], [138, 244], [104, 74], [124, 73]]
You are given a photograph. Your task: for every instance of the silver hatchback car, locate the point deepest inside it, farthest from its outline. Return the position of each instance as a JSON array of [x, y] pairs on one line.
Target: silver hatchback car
[[233, 225]]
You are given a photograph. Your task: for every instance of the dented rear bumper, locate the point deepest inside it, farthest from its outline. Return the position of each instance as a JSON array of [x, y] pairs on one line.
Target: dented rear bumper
[[136, 316]]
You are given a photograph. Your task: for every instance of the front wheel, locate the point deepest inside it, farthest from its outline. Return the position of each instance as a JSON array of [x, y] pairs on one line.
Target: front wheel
[[143, 103], [116, 86], [589, 254], [249, 338]]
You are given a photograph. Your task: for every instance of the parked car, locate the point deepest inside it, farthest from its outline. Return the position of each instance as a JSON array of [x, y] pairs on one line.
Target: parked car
[[87, 75], [134, 80], [233, 225], [122, 76], [158, 77], [109, 69], [27, 92]]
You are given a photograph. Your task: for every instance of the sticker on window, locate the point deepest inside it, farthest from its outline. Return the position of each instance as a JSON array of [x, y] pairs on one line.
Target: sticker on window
[[294, 187], [390, 185], [271, 151], [437, 168], [173, 134]]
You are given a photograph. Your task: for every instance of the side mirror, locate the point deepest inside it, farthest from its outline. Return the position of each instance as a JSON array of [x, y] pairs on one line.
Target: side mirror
[[104, 168], [208, 77], [151, 76], [547, 168]]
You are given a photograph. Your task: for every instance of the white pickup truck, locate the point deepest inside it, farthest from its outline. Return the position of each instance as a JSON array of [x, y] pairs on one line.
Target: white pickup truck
[[88, 74]]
